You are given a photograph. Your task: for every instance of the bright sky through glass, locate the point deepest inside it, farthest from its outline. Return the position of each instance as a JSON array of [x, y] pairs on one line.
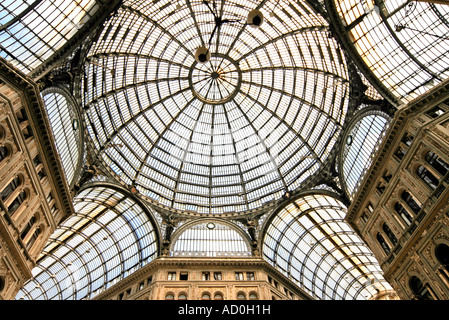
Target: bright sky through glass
[[191, 142], [30, 40], [311, 243], [405, 43], [108, 238]]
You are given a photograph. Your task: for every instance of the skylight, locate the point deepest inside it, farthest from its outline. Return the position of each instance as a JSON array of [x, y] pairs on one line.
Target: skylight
[[227, 135]]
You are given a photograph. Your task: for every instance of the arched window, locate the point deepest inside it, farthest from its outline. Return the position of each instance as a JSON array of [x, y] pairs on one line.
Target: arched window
[[218, 296], [427, 177], [241, 296], [182, 296], [418, 288], [403, 213], [437, 163], [411, 202], [2, 283], [212, 239], [253, 296], [17, 202], [10, 188], [205, 296], [33, 239], [28, 227], [383, 243], [169, 297], [442, 254], [64, 124], [4, 152], [390, 234]]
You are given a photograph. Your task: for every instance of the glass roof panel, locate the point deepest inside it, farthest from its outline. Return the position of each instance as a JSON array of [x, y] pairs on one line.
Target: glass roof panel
[[405, 43], [223, 136], [309, 241], [31, 31], [65, 127], [361, 144], [109, 237]]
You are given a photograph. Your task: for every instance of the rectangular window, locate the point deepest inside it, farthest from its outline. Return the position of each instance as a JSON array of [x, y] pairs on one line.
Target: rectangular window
[[171, 276], [206, 276], [184, 276], [407, 139], [239, 276], [250, 276], [435, 112], [217, 276], [364, 217]]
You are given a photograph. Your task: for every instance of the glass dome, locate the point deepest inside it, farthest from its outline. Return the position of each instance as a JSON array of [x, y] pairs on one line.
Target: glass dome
[[224, 136]]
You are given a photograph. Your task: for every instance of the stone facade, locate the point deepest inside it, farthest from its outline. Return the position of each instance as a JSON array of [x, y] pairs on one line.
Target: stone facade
[[401, 210]]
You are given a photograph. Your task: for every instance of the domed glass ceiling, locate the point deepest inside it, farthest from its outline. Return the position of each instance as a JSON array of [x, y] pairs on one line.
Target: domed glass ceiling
[[227, 135]]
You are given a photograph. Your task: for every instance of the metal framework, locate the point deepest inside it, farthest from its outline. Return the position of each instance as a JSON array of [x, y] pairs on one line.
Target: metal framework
[[310, 242], [225, 136], [31, 32], [108, 238], [222, 138], [210, 238], [360, 143], [403, 43]]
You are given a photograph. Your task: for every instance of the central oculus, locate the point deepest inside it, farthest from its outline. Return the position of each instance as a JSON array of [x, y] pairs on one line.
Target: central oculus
[[215, 81]]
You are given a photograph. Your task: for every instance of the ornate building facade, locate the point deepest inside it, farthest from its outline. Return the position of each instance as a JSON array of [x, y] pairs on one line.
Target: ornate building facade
[[401, 210], [34, 195]]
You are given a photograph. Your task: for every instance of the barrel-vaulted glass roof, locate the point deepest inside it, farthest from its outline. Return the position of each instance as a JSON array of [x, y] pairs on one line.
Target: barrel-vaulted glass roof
[[310, 242], [226, 135], [108, 238], [404, 43]]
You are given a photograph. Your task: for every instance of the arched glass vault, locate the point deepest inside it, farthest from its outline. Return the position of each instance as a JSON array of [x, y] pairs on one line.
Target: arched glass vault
[[310, 242], [211, 238], [360, 143], [31, 31], [108, 238], [67, 129], [404, 43]]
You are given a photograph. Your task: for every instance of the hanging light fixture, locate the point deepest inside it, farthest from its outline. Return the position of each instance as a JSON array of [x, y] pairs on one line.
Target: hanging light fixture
[[202, 55], [255, 18]]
